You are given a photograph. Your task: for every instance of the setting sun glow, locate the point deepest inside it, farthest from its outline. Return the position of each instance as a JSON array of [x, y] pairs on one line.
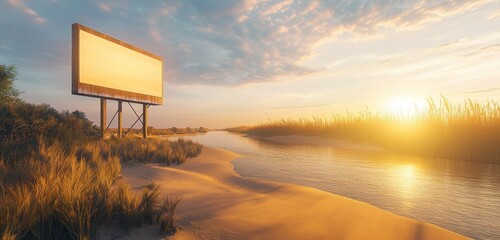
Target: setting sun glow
[[405, 106]]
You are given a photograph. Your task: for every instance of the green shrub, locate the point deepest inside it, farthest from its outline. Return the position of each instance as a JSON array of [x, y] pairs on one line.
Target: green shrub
[[8, 93]]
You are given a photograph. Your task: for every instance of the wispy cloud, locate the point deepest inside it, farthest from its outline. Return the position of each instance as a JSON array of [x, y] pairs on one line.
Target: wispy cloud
[[443, 57], [104, 6], [21, 5], [488, 90], [494, 15], [278, 7]]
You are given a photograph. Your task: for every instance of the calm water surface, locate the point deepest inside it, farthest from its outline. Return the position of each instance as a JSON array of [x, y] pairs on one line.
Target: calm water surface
[[461, 196]]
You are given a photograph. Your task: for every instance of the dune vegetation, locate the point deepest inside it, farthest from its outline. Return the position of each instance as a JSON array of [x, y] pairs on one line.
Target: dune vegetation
[[58, 180], [162, 131], [142, 150], [468, 131]]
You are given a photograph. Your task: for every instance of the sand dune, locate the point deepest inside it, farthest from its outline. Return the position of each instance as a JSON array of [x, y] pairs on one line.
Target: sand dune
[[219, 204]]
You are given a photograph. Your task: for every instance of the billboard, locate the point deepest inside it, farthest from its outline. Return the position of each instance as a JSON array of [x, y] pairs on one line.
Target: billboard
[[103, 66]]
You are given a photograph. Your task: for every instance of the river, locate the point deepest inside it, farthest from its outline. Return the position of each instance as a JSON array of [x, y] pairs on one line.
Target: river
[[461, 196]]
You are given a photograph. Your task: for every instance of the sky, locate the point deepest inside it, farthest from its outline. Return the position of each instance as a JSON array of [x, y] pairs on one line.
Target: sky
[[232, 63]]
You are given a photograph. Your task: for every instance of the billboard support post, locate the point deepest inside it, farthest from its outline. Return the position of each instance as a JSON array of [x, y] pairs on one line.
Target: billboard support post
[[145, 120], [103, 117], [120, 132]]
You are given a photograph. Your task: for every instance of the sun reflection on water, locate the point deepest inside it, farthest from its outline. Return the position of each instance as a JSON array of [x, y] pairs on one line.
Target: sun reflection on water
[[407, 178]]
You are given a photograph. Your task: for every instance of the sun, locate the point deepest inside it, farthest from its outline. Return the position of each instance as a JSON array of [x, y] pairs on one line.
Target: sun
[[403, 105]]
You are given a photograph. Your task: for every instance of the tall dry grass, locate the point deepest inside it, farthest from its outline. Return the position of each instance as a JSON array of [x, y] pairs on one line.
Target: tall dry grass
[[161, 131], [56, 194], [467, 131], [143, 150]]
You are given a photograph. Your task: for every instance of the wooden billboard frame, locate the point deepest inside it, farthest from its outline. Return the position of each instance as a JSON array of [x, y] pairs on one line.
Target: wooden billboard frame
[[100, 91]]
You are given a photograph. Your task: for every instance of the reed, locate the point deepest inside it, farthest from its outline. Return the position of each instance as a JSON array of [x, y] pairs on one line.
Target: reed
[[467, 131]]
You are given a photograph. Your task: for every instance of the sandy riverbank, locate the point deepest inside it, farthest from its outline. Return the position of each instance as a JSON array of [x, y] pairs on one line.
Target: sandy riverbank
[[219, 204]]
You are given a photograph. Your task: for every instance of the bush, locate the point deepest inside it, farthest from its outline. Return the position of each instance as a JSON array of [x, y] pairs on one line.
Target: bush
[[23, 124], [8, 93]]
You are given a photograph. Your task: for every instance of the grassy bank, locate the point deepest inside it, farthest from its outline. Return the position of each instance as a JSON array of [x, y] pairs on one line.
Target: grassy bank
[[468, 131], [56, 194], [160, 131], [142, 150]]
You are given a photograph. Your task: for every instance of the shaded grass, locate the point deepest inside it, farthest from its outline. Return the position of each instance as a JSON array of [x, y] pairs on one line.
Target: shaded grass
[[167, 221], [56, 194], [148, 207], [468, 131]]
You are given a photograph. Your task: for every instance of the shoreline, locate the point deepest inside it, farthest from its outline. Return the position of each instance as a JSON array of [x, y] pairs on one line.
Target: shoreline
[[220, 204], [321, 141]]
